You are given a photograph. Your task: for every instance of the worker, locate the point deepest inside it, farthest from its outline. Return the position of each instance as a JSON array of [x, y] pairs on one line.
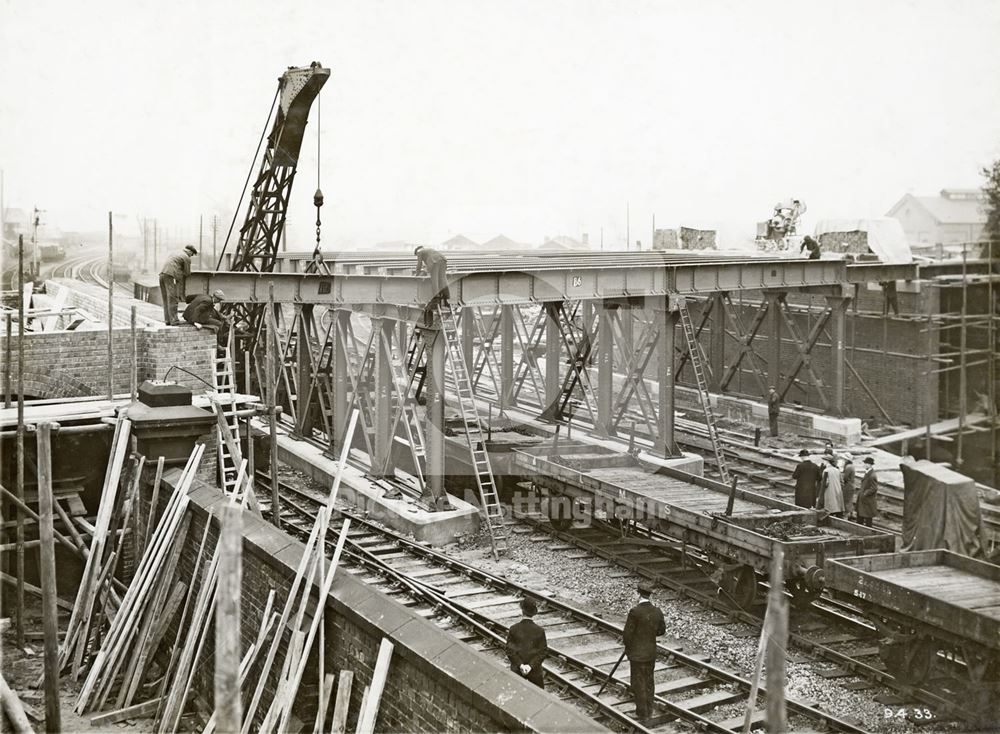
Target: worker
[[201, 311], [891, 297], [831, 496], [806, 476], [435, 264], [868, 494], [812, 245], [527, 646], [847, 484], [773, 409], [642, 626], [172, 283]]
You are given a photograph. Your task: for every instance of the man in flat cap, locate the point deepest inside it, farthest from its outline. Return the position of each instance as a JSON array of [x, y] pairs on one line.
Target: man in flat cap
[[642, 626], [173, 277], [527, 646], [201, 311]]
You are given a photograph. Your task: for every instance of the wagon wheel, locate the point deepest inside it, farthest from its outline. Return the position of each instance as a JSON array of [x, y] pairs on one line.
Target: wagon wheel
[[983, 692], [802, 595], [740, 586], [911, 662]]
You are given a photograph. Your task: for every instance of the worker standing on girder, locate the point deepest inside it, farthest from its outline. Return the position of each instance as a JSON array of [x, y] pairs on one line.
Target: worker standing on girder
[[435, 264], [172, 283]]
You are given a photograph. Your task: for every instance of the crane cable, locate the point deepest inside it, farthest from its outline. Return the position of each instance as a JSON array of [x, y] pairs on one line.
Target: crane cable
[[246, 183], [318, 196]]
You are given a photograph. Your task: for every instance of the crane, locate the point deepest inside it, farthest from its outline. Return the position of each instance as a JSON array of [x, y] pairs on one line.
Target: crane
[[264, 224]]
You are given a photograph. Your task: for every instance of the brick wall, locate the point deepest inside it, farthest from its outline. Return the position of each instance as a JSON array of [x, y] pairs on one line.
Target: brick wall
[[435, 683], [63, 364]]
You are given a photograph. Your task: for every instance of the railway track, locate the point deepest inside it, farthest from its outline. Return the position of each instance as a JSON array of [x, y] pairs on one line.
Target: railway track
[[830, 631], [478, 607]]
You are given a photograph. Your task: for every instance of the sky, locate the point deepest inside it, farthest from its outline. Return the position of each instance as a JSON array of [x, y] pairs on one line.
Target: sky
[[529, 118]]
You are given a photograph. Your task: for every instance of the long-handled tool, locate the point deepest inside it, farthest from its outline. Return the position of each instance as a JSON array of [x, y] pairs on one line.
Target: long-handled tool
[[611, 674]]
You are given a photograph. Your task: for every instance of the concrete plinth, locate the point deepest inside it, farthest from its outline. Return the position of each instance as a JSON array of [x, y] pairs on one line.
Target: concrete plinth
[[434, 528]]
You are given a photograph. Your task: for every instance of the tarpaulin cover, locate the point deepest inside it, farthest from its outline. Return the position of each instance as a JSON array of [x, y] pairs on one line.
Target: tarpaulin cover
[[885, 236], [940, 510]]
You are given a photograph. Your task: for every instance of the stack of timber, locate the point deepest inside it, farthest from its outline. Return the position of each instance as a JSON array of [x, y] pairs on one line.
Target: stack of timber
[[97, 598], [144, 611]]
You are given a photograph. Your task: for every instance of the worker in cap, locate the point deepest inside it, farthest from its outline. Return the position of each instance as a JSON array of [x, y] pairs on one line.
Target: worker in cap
[[202, 312], [173, 278], [806, 476], [436, 265], [847, 483], [527, 646], [642, 626], [867, 506], [773, 410]]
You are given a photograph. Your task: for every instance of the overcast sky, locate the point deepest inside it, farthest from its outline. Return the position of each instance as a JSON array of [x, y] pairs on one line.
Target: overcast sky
[[532, 118]]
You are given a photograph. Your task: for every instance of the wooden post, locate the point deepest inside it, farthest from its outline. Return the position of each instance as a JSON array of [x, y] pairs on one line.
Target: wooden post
[[19, 489], [272, 335], [228, 706], [111, 311], [47, 574], [7, 364], [134, 383], [755, 680], [777, 644], [251, 467]]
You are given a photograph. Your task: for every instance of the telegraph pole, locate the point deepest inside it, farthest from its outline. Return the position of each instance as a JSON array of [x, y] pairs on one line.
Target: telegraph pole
[[215, 233], [628, 231], [201, 265]]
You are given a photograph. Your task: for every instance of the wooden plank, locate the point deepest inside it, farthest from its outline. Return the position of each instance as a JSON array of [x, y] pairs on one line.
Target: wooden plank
[[47, 573], [15, 709], [137, 711], [369, 713], [32, 589], [340, 708], [228, 705]]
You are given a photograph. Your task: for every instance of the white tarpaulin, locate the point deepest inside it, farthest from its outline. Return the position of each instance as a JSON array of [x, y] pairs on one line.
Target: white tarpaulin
[[885, 236]]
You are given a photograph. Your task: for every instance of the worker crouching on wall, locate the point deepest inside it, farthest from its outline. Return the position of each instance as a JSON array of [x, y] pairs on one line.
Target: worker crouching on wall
[[201, 311]]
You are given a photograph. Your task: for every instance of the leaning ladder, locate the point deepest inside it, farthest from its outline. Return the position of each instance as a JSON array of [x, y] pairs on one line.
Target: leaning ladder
[[474, 433], [225, 388], [694, 352]]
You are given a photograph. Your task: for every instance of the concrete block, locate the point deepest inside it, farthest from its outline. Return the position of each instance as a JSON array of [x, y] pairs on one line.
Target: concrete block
[[434, 528]]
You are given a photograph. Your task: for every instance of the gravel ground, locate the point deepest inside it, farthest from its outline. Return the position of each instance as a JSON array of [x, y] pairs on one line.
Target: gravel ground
[[608, 591]]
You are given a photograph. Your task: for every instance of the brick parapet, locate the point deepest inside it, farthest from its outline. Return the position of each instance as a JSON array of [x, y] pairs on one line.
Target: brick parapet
[[62, 364]]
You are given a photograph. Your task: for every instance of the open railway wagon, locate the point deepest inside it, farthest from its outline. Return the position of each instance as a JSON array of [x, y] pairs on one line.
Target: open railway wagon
[[693, 510], [931, 608]]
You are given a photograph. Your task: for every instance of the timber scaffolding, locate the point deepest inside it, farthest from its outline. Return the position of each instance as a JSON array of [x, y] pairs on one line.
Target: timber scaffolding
[[353, 333]]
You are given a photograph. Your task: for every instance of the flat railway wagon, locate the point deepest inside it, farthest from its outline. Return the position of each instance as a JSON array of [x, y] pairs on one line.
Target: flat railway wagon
[[930, 606], [693, 510]]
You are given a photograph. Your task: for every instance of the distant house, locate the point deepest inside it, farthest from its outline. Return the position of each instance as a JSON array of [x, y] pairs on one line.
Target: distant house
[[562, 242], [459, 242], [953, 217], [502, 242]]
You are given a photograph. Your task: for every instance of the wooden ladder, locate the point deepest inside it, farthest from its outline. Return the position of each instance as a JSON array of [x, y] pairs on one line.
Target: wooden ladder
[[492, 509], [225, 386], [695, 355]]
